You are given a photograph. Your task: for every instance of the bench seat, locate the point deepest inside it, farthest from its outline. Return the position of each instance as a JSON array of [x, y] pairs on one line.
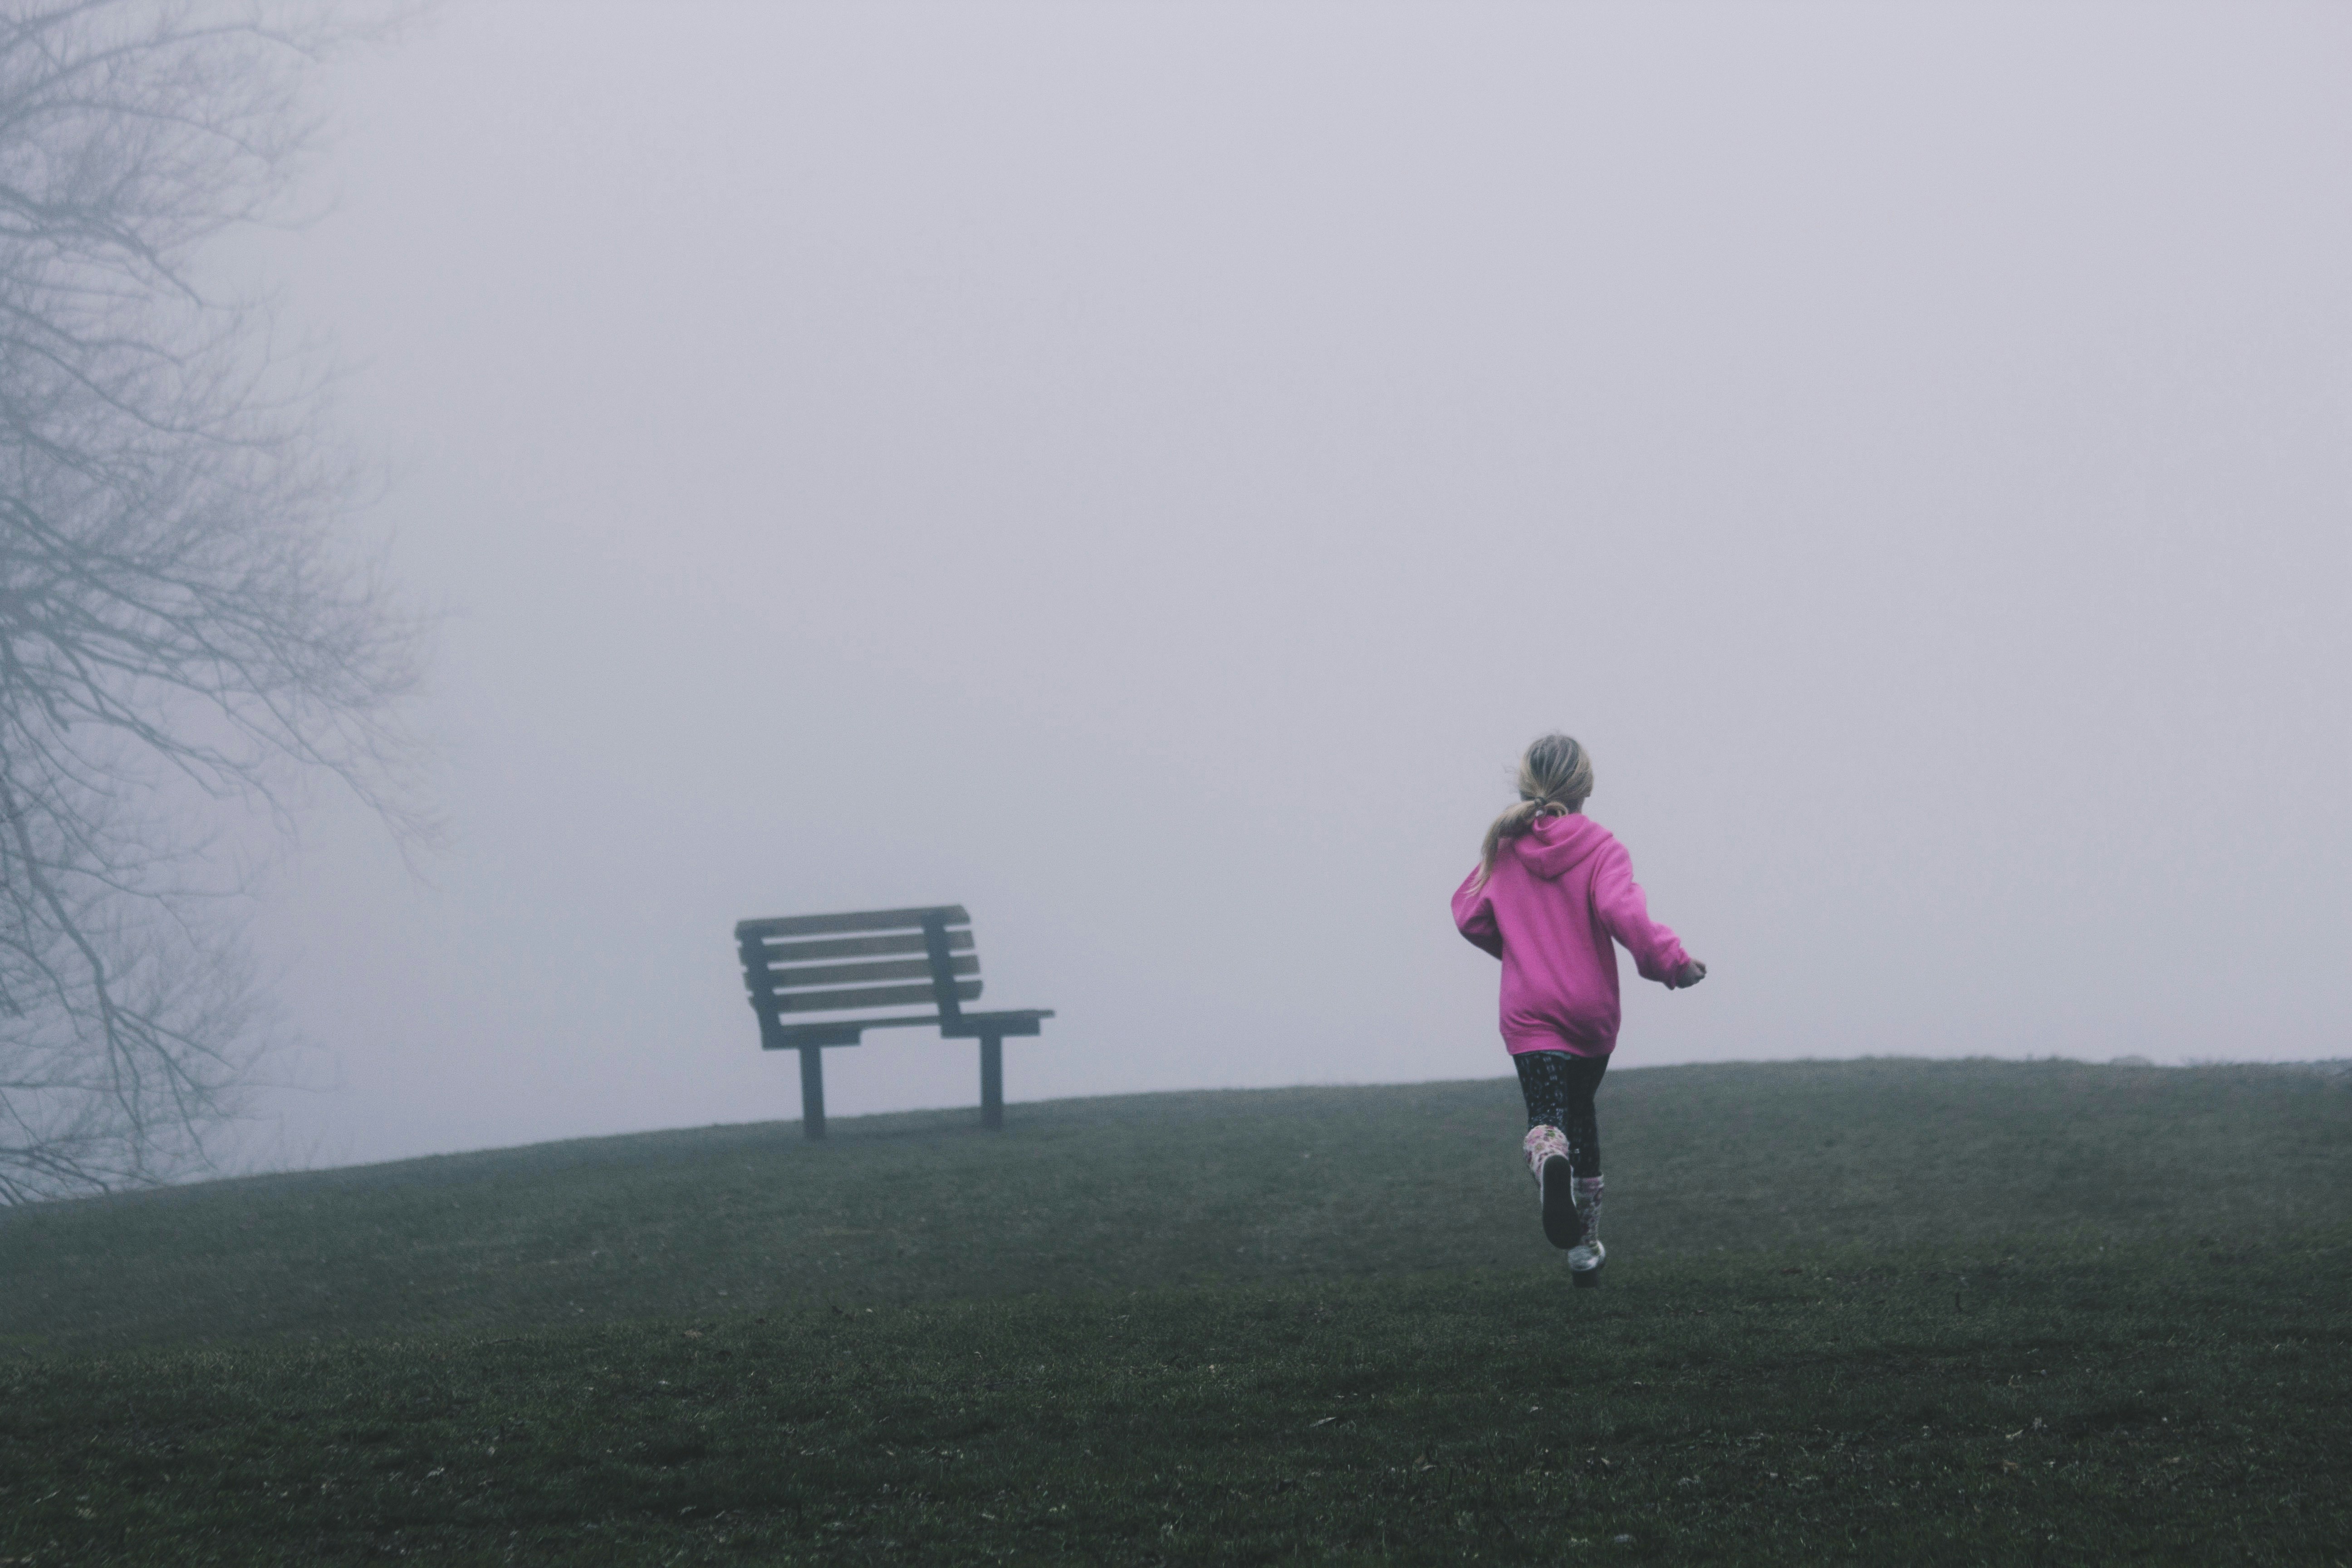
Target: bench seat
[[847, 964]]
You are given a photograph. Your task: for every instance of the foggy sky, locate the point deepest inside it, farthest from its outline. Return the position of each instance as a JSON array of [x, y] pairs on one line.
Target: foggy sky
[[1143, 473]]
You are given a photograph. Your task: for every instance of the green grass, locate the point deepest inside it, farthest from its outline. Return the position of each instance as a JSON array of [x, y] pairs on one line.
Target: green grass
[[1870, 1311]]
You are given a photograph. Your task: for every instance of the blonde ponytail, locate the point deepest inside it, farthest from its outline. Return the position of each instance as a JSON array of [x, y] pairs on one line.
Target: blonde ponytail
[[1554, 778]]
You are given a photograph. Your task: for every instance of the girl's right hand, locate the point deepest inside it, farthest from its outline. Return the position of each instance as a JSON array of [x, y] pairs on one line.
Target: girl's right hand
[[1693, 973]]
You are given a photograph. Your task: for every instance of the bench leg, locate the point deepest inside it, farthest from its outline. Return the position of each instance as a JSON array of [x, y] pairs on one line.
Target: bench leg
[[992, 1080], [812, 1091]]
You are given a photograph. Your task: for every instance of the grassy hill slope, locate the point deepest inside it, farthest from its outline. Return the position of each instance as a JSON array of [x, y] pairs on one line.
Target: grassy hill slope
[[1870, 1312], [1973, 1160]]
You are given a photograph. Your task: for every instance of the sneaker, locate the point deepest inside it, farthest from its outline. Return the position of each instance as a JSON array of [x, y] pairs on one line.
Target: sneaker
[[1563, 1226], [1584, 1264]]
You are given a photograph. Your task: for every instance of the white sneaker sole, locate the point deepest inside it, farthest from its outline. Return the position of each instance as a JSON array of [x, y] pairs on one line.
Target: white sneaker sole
[[1584, 1271]]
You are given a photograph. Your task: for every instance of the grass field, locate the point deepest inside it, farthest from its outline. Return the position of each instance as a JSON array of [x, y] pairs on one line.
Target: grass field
[[1871, 1311]]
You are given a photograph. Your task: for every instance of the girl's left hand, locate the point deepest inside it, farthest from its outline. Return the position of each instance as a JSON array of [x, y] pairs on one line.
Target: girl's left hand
[[1693, 973]]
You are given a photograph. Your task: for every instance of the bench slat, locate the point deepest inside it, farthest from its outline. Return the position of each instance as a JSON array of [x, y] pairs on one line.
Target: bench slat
[[869, 996], [790, 1036], [868, 919], [857, 947], [783, 980]]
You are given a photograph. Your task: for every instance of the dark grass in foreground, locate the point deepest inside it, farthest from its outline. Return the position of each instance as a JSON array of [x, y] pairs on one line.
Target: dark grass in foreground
[[1154, 1191], [1875, 1311], [2136, 1405]]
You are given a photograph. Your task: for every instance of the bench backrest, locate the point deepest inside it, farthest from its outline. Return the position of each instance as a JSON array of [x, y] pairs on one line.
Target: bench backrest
[[850, 963]]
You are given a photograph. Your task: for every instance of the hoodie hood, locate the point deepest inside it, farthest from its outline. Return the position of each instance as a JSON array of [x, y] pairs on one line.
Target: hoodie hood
[[1555, 846]]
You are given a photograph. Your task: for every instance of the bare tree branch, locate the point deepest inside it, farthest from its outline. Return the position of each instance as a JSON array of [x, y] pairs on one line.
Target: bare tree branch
[[172, 602]]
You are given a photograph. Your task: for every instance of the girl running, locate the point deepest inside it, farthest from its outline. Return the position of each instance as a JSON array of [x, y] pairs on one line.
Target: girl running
[[1551, 891]]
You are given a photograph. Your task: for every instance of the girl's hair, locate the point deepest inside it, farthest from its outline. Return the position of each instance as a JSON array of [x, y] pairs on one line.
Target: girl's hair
[[1555, 777]]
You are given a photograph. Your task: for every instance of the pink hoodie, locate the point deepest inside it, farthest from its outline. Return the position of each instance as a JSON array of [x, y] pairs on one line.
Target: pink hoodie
[[1556, 898]]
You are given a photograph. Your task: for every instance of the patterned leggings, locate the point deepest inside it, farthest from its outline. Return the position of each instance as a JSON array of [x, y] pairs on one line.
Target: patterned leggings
[[1558, 1089]]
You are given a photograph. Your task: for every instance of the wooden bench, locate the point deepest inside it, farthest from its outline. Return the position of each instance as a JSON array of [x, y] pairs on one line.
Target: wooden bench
[[856, 963]]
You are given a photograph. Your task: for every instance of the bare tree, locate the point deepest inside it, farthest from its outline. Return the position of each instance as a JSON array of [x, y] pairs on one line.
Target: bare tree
[[177, 620]]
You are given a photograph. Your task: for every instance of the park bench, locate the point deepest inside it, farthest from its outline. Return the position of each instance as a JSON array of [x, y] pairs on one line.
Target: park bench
[[856, 963]]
